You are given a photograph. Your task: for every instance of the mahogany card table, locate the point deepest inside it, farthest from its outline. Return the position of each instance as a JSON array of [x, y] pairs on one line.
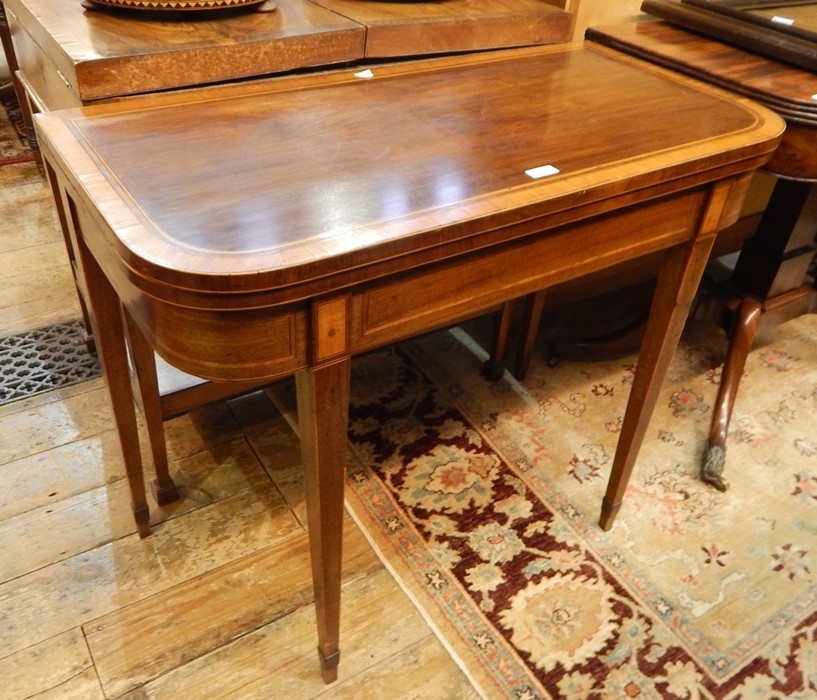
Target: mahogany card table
[[250, 232]]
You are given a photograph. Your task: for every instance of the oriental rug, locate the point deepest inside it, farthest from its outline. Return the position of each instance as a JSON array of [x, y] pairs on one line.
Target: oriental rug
[[483, 498], [14, 146]]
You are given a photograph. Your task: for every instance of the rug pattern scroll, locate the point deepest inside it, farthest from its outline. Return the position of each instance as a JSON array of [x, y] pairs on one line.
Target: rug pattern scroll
[[483, 499]]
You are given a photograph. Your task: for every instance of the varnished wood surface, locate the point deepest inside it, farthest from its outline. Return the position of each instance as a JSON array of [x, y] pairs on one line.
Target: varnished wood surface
[[801, 16], [739, 28], [786, 89], [327, 191], [416, 28], [804, 16], [104, 54], [68, 53], [323, 233]]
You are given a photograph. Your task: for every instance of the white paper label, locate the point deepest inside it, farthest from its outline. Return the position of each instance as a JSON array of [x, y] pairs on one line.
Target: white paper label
[[788, 21], [541, 171], [364, 74]]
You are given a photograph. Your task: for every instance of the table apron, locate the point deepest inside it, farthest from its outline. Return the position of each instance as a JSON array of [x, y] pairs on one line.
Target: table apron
[[270, 342], [437, 295]]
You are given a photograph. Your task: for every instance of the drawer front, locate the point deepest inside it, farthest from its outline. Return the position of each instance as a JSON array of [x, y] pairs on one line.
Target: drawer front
[[441, 294]]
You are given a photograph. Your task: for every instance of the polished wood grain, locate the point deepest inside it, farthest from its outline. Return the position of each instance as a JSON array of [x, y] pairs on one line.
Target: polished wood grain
[[797, 18], [770, 281], [742, 28], [70, 56], [418, 28], [309, 233], [785, 89]]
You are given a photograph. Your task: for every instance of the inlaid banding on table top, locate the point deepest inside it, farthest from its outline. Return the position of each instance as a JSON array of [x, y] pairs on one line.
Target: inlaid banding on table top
[[297, 182]]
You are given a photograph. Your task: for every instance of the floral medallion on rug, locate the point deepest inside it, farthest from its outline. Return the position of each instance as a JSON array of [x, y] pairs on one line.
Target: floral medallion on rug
[[483, 499]]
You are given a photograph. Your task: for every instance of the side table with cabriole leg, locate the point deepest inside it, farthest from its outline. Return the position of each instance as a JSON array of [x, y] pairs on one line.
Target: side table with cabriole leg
[[770, 281], [770, 285]]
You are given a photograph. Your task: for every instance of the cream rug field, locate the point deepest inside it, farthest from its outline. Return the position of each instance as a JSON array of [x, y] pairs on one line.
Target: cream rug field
[[483, 498]]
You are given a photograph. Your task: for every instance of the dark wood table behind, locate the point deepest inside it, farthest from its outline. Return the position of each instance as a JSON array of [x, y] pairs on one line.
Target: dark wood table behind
[[770, 282]]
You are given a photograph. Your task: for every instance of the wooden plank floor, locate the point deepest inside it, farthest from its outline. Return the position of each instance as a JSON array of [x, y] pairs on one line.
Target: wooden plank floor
[[217, 603]]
